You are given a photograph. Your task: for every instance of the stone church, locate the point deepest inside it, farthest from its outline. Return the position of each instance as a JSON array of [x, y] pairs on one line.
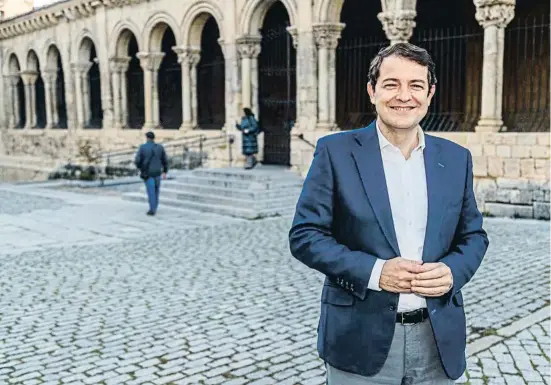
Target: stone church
[[99, 73]]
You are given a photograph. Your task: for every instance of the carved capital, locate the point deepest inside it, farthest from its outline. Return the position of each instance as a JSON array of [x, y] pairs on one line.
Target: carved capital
[[398, 25], [81, 68], [150, 61], [249, 46], [327, 35], [13, 79], [188, 56], [195, 57], [293, 31], [49, 75], [494, 12], [119, 64], [29, 77]]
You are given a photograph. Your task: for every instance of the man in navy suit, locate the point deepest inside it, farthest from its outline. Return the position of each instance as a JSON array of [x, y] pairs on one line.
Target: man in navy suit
[[388, 215]]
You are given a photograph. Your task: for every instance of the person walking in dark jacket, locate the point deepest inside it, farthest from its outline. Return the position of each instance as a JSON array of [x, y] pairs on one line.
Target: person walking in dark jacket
[[152, 162], [250, 128]]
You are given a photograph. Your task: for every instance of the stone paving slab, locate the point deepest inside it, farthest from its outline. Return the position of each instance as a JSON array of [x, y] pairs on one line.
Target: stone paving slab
[[216, 301]]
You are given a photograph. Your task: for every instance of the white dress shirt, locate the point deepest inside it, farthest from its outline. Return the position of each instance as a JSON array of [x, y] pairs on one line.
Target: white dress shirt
[[407, 191]]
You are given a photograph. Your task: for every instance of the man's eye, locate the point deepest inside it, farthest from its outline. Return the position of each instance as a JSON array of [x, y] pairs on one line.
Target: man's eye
[[390, 85], [417, 87]]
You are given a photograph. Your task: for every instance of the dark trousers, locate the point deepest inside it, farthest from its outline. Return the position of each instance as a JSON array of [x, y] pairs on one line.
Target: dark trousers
[[153, 186]]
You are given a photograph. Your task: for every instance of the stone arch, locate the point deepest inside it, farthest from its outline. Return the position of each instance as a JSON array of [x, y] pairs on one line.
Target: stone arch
[[33, 64], [122, 42], [13, 66], [253, 15], [52, 56], [54, 65], [328, 11], [155, 29], [16, 93], [85, 49], [121, 36], [195, 19], [127, 77], [90, 105]]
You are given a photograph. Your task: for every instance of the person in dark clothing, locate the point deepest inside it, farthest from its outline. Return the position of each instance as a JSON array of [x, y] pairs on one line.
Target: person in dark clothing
[[250, 128], [152, 162]]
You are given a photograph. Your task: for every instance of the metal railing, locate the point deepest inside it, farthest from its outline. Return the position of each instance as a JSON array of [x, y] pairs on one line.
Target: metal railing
[[302, 138], [183, 154], [526, 75]]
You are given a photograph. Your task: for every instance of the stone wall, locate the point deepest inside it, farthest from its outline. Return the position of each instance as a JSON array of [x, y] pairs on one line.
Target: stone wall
[[34, 154], [511, 170]]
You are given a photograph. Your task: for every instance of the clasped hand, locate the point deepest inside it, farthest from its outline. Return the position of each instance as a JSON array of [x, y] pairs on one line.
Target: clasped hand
[[401, 275]]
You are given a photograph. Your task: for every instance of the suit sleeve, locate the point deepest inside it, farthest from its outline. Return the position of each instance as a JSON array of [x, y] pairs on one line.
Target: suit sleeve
[[470, 240], [311, 239], [164, 160]]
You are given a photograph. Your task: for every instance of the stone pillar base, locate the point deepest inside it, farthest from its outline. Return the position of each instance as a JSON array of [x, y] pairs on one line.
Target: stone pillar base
[[150, 126], [186, 127], [326, 126], [489, 125]]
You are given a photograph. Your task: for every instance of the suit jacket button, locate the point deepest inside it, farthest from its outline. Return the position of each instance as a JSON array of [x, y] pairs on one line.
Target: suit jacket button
[[392, 307]]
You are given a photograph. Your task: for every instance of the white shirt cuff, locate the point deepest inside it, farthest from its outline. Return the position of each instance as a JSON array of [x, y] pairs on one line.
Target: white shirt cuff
[[376, 275]]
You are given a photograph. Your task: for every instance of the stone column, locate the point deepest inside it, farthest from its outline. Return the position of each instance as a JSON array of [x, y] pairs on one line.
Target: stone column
[[80, 75], [327, 37], [116, 84], [249, 49], [184, 60], [50, 77], [55, 112], [86, 102], [194, 59], [119, 66], [13, 110], [232, 84], [493, 16], [398, 24], [150, 62], [124, 94], [293, 31], [29, 81]]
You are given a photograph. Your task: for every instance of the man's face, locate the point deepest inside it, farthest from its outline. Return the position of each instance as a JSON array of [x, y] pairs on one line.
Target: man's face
[[401, 95]]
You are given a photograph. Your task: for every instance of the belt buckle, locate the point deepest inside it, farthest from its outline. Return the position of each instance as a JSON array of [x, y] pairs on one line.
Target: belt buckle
[[402, 321]]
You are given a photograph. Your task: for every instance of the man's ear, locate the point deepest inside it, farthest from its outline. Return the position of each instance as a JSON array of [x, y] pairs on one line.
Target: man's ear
[[371, 92], [431, 93]]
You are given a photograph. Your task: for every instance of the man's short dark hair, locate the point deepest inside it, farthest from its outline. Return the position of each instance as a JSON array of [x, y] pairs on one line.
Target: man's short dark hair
[[407, 51], [150, 135]]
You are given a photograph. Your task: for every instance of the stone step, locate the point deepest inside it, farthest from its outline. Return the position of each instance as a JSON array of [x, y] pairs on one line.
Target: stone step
[[217, 199], [234, 192], [261, 173], [182, 180], [212, 208]]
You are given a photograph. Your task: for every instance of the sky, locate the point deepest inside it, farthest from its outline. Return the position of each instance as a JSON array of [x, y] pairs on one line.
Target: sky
[[40, 3]]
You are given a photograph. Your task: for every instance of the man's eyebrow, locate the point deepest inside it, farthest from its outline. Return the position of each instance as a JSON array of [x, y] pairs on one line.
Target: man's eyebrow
[[390, 80]]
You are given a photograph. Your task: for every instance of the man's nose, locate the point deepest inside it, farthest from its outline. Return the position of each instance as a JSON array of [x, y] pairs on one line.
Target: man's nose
[[404, 94]]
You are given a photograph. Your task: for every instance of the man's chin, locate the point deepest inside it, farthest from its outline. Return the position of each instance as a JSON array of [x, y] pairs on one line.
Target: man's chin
[[402, 125]]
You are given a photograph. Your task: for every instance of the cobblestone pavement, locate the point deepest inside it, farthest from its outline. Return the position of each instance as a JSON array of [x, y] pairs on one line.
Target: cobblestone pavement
[[95, 292]]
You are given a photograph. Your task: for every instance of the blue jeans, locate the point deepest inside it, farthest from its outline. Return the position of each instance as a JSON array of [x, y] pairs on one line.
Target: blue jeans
[[152, 186]]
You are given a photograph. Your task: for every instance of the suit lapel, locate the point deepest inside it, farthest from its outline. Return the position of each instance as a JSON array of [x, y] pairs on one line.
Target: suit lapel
[[369, 162], [435, 169]]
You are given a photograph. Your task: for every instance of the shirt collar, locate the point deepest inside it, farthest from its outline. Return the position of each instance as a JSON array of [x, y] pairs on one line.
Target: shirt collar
[[383, 142]]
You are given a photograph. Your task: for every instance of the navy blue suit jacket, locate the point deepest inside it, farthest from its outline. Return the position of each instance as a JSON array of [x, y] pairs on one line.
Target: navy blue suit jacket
[[343, 222]]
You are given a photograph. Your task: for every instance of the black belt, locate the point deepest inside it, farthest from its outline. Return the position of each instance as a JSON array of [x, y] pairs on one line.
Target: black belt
[[412, 317]]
